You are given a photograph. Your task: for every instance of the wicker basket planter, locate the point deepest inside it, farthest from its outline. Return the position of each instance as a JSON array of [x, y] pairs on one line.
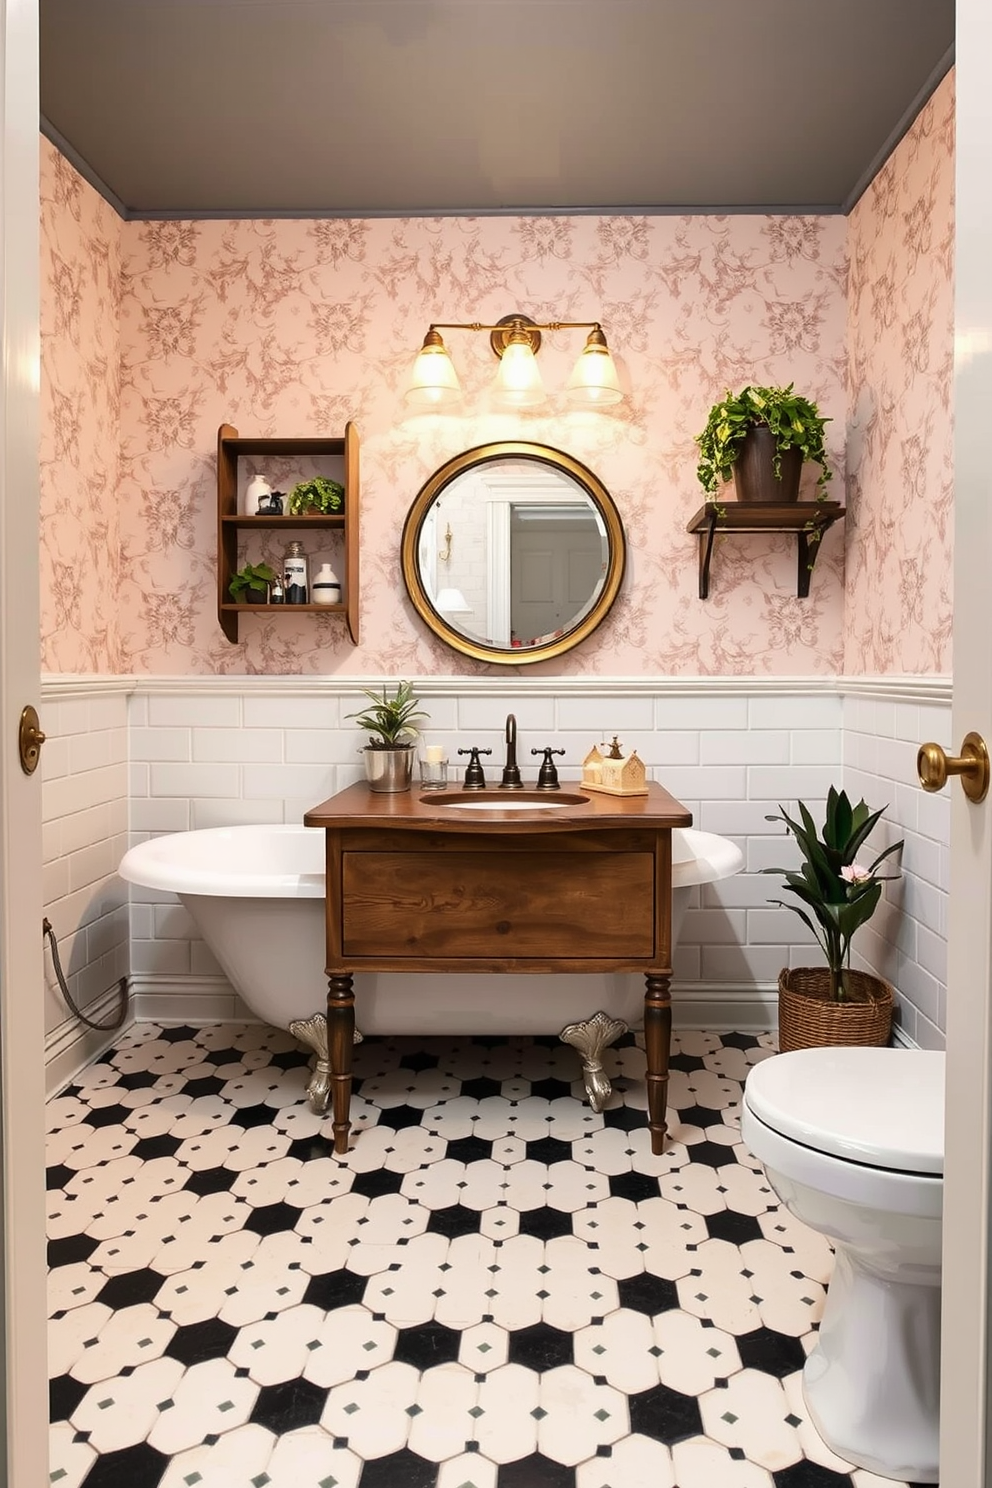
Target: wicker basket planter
[[809, 1019]]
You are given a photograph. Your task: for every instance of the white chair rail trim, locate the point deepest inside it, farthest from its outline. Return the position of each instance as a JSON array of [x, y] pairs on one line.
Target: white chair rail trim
[[932, 689]]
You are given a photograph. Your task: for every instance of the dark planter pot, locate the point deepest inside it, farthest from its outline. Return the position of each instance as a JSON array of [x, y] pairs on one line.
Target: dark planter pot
[[754, 470]]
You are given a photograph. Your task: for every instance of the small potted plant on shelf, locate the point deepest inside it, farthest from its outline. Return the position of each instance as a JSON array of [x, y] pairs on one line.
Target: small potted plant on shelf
[[832, 1004], [761, 436], [392, 723], [320, 496], [251, 584]]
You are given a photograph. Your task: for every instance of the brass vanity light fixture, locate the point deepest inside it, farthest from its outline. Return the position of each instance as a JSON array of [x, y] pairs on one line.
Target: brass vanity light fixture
[[516, 340]]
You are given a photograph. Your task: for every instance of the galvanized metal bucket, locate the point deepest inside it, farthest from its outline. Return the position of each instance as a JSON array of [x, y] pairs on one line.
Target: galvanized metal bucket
[[390, 769]]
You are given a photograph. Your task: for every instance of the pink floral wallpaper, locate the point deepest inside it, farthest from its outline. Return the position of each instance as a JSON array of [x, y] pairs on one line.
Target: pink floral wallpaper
[[291, 327], [900, 443], [156, 333], [81, 557]]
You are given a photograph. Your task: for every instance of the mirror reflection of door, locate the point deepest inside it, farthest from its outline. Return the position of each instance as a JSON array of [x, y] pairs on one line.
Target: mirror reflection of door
[[532, 553], [557, 566], [513, 552]]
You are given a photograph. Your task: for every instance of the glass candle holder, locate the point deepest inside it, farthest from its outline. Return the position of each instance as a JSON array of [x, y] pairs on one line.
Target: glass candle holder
[[433, 774]]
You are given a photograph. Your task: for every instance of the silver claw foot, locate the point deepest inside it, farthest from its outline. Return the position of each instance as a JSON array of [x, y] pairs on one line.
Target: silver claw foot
[[591, 1038], [313, 1033]]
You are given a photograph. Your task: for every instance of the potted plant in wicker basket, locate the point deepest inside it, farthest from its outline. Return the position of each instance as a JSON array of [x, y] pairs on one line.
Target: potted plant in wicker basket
[[392, 726], [833, 1004]]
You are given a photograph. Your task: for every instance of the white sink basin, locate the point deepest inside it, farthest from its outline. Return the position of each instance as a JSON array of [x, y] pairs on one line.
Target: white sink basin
[[505, 801]]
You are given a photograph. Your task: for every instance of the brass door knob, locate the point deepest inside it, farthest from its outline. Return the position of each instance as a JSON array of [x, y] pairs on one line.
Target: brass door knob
[[29, 740], [934, 766]]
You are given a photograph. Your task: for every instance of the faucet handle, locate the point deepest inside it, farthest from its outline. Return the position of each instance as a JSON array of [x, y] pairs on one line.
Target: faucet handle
[[475, 778], [547, 776]]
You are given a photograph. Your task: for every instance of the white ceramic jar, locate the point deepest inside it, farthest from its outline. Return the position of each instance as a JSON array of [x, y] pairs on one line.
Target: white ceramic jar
[[257, 489], [326, 586]]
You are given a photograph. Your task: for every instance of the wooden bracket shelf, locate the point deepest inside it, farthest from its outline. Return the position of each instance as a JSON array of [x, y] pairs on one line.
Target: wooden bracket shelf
[[232, 447], [809, 520], [245, 524], [275, 609]]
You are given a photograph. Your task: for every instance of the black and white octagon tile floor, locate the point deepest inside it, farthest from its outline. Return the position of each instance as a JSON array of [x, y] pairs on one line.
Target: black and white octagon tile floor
[[496, 1288]]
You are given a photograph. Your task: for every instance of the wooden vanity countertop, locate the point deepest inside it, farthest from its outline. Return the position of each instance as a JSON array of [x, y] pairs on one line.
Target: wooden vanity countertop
[[357, 806]]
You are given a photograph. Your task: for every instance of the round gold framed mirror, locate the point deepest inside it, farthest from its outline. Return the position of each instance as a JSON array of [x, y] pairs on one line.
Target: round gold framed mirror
[[513, 553]]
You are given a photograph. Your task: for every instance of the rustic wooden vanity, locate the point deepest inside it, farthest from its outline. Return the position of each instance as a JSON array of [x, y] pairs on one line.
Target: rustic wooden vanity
[[420, 883]]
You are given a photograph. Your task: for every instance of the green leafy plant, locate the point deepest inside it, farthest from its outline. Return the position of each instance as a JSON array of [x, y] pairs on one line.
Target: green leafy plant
[[391, 720], [319, 494], [839, 894], [253, 579], [795, 422]]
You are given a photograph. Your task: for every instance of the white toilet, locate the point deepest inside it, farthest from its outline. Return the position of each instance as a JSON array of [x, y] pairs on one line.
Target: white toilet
[[852, 1141]]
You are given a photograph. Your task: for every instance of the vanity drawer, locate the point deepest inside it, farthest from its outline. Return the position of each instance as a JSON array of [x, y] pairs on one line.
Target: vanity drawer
[[483, 904]]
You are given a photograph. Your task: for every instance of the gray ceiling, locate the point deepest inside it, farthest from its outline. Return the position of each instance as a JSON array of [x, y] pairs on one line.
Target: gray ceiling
[[399, 107]]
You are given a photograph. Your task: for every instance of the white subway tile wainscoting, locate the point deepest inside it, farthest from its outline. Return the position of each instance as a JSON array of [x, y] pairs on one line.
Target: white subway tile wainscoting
[[222, 751]]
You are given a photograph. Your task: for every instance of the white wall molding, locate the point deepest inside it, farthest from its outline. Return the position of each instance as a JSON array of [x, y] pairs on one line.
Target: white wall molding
[[937, 689], [713, 1008], [61, 687], [71, 1046], [919, 688], [716, 1009], [158, 997], [171, 1000]]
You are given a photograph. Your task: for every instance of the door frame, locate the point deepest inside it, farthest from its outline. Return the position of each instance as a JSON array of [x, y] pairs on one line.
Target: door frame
[[22, 1043], [966, 1459]]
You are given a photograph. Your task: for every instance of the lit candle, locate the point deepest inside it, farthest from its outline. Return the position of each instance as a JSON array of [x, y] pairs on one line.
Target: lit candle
[[434, 754]]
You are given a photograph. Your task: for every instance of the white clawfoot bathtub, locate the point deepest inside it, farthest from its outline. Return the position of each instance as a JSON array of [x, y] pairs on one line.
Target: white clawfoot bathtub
[[256, 895]]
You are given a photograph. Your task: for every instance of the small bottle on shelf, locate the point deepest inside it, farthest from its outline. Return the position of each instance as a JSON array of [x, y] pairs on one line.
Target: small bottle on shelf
[[295, 575]]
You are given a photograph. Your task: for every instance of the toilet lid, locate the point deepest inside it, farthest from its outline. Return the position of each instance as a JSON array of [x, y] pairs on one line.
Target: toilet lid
[[882, 1107]]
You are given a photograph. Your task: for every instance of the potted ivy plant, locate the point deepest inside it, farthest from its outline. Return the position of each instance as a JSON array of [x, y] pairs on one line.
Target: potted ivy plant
[[320, 495], [833, 1004], [392, 724], [761, 436], [251, 584]]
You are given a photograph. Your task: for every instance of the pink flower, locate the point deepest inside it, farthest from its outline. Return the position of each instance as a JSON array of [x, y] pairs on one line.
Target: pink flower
[[855, 874]]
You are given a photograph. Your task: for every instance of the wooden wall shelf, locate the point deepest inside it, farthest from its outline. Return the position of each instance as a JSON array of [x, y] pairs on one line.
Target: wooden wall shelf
[[231, 447], [809, 520]]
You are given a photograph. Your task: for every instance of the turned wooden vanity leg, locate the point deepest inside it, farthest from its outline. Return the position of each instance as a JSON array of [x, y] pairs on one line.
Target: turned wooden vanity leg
[[340, 1038], [657, 1047]]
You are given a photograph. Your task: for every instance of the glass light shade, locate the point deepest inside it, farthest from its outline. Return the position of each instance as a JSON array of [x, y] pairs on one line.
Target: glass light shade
[[594, 381], [433, 381], [518, 382], [452, 602]]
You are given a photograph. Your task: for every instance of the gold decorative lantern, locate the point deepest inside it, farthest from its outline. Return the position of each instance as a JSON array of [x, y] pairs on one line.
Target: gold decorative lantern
[[614, 773]]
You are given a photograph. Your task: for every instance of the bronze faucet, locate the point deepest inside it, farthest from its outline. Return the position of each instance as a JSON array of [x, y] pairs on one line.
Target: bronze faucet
[[511, 773]]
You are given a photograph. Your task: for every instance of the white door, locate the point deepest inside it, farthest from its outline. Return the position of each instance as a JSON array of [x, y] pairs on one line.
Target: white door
[[555, 570], [24, 1394], [966, 1461]]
